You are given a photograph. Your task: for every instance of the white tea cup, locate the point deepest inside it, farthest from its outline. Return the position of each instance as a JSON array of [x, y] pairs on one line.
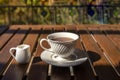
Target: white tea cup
[[61, 43], [22, 53]]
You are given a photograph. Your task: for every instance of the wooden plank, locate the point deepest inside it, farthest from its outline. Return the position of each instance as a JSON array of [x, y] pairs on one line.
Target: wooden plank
[[60, 73], [17, 71], [114, 35], [102, 67], [10, 70], [110, 50], [47, 28], [4, 53], [59, 28], [38, 66], [3, 29], [31, 39], [39, 69], [7, 36], [57, 72], [84, 71], [70, 28]]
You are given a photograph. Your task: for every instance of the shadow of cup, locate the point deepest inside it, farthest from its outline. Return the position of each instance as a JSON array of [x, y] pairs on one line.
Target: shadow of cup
[[37, 59], [93, 56]]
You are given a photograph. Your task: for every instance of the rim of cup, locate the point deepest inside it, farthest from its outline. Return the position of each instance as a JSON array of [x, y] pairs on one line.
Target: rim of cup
[[62, 34]]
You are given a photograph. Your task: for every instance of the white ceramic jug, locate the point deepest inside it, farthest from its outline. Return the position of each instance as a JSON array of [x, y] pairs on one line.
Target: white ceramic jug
[[22, 53]]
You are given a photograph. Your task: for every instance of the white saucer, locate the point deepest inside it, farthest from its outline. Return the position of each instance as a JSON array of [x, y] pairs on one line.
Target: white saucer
[[77, 58]]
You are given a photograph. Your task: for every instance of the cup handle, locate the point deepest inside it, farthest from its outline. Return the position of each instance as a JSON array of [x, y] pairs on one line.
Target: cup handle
[[41, 41], [11, 49]]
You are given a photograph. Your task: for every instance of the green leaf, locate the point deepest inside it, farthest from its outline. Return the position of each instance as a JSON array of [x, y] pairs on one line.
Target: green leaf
[[116, 13]]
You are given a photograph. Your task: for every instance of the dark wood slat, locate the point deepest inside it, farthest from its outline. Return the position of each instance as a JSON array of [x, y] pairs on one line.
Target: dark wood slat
[[60, 73], [17, 71], [3, 29], [84, 71], [57, 73], [111, 52], [38, 66], [4, 53], [39, 69], [7, 36], [102, 67]]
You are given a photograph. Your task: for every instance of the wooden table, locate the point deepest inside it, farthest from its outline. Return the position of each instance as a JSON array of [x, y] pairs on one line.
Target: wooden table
[[101, 44]]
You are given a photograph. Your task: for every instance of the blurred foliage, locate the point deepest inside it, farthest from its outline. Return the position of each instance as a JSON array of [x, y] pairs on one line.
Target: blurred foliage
[[32, 13], [68, 15], [4, 2]]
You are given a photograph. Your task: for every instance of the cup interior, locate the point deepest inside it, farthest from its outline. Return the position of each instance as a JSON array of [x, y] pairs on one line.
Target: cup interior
[[63, 36]]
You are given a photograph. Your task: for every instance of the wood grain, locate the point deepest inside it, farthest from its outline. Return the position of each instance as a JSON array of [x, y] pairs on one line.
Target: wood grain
[[38, 66], [16, 69], [110, 50], [102, 67], [5, 55], [100, 43]]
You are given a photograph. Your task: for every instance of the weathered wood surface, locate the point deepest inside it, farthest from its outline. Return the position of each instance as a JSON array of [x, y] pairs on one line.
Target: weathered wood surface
[[100, 43]]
